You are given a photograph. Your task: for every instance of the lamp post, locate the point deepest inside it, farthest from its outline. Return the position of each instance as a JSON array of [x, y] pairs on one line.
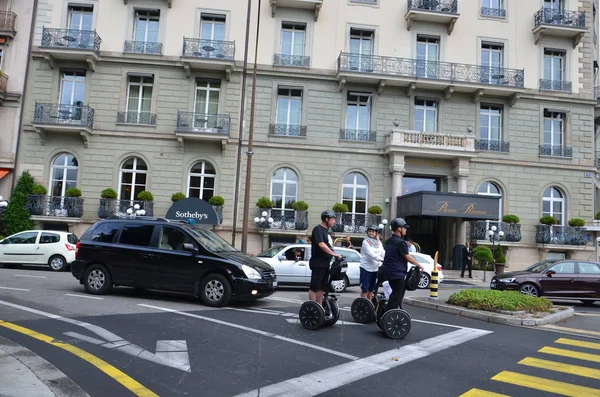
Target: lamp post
[[135, 211], [3, 205], [494, 235], [263, 223], [381, 227]]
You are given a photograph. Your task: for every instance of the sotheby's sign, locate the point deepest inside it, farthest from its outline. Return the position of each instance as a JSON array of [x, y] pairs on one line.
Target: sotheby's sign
[[193, 208]]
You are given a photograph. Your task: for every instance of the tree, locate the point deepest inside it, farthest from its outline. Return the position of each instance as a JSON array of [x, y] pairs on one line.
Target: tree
[[16, 217]]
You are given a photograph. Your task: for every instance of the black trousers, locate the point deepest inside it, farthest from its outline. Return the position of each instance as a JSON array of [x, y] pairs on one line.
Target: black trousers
[[465, 264], [398, 289]]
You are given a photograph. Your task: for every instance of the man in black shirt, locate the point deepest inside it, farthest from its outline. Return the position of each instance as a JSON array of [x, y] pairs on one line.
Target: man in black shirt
[[322, 252]]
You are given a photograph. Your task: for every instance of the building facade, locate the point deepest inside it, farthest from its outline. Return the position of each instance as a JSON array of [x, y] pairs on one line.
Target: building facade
[[357, 102]]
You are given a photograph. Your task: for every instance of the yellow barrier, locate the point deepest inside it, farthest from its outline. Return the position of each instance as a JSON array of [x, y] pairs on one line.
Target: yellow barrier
[[433, 285]]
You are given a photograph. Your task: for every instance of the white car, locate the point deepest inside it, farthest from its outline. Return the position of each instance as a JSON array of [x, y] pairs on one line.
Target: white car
[[39, 247]]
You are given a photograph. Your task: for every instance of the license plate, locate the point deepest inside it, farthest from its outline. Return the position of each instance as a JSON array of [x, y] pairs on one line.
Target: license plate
[[275, 283]]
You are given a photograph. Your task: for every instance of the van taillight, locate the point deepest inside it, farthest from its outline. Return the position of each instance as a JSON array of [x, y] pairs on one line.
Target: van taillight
[[77, 250]]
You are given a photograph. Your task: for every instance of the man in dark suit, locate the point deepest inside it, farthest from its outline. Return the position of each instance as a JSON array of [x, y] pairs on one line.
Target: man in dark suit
[[467, 254]]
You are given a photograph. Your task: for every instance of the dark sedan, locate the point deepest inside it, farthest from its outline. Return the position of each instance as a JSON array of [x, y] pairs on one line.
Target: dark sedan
[[558, 279]]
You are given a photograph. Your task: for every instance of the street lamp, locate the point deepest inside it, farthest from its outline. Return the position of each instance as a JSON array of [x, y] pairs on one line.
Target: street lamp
[[494, 235], [381, 227], [263, 223], [135, 210]]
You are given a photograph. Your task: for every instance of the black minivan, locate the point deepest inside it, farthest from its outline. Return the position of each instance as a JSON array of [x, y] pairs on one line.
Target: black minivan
[[156, 253]]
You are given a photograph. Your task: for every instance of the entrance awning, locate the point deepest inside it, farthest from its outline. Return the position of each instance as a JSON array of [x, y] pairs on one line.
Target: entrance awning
[[3, 172], [451, 205]]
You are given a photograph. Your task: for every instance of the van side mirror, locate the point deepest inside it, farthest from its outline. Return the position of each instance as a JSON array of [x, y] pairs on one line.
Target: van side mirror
[[281, 257], [190, 248]]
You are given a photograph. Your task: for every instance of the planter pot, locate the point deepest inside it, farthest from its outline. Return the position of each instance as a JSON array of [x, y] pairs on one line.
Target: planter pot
[[372, 219], [219, 210], [339, 225], [500, 268], [74, 207], [513, 232], [543, 235], [107, 207], [301, 220], [36, 204]]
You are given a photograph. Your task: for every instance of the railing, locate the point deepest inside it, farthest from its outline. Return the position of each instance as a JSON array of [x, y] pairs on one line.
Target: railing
[[71, 39], [597, 94], [493, 12], [556, 151], [299, 61], [3, 81], [7, 20], [563, 235], [448, 6], [491, 145], [208, 49], [567, 19], [203, 122], [555, 85], [430, 140], [143, 47], [287, 130], [358, 135], [287, 219], [447, 71], [512, 231], [350, 222], [113, 207], [364, 1], [75, 115], [43, 205], [136, 118]]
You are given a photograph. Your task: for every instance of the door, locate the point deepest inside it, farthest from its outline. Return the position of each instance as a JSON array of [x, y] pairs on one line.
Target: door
[[361, 50], [20, 248], [293, 268], [428, 57], [206, 104], [588, 279], [72, 97], [561, 283], [178, 269], [48, 246], [135, 259], [80, 22], [101, 244], [491, 62]]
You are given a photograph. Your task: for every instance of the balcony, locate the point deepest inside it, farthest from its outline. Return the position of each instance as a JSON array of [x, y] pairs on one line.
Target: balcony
[[491, 145], [139, 118], [561, 235], [201, 54], [8, 21], [512, 231], [71, 45], [555, 85], [357, 135], [556, 151], [3, 86], [597, 95], [143, 47], [314, 5], [444, 12], [446, 76], [202, 127], [287, 130], [294, 61], [351, 222], [54, 206], [430, 144], [63, 119], [559, 23], [285, 219], [169, 3], [493, 12], [111, 207]]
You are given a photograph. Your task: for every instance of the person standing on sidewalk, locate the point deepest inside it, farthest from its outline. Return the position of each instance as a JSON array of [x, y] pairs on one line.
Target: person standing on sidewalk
[[467, 255]]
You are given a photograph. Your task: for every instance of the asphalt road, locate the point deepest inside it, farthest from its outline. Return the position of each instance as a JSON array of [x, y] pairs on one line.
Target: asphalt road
[[170, 345]]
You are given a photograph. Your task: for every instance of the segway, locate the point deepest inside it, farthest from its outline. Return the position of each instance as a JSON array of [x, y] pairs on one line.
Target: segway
[[314, 316]]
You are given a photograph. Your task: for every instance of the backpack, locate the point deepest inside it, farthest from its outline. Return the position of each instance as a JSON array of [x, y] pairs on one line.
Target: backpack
[[412, 278], [336, 269]]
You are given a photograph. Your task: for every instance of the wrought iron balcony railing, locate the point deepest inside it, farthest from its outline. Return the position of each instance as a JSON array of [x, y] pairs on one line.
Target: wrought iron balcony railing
[[43, 205], [597, 93], [358, 135], [143, 47], [113, 207], [7, 20], [74, 115], [447, 71], [287, 219], [208, 49], [203, 122], [136, 118], [3, 81], [287, 130], [491, 145], [364, 1], [449, 6], [350, 222], [560, 18], [71, 39], [512, 231], [555, 85], [556, 151], [299, 61], [562, 235], [493, 12]]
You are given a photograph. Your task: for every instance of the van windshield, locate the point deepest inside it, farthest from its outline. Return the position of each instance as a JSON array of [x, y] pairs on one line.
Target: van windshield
[[271, 252], [211, 240]]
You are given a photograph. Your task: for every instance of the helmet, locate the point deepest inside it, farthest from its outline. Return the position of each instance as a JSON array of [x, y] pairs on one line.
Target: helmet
[[325, 215], [372, 227], [398, 222]]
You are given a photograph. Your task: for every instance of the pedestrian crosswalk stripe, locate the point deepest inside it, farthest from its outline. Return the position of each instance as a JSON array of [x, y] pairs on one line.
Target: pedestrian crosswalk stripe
[[550, 386], [481, 393], [579, 343], [561, 367], [570, 353]]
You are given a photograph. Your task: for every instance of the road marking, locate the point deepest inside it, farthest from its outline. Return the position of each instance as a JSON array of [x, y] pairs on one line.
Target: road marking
[[84, 296], [481, 393], [15, 289], [331, 378], [573, 330], [570, 353], [551, 386], [561, 367], [131, 384], [296, 321], [28, 275], [580, 343], [174, 350], [253, 330], [588, 314]]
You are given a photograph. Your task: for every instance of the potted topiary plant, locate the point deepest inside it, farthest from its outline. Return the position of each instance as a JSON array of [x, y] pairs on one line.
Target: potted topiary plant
[[146, 204], [499, 260], [175, 197], [543, 234], [339, 209], [108, 203], [217, 203], [265, 205], [37, 200], [74, 202], [578, 236], [483, 256], [300, 215], [512, 229], [373, 215], [596, 220]]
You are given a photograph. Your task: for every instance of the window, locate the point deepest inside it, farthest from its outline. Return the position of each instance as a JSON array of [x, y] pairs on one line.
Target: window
[[72, 88], [588, 268], [22, 238], [564, 268], [355, 189], [201, 180], [140, 235], [284, 188], [556, 5], [293, 40], [212, 27], [289, 111], [133, 176], [492, 61], [206, 104], [361, 48], [426, 112], [80, 17], [146, 26], [490, 128], [553, 204], [72, 238], [63, 174], [428, 57], [49, 238], [172, 239], [554, 127], [358, 115], [105, 233], [349, 255], [493, 8], [491, 189], [139, 100], [554, 70]]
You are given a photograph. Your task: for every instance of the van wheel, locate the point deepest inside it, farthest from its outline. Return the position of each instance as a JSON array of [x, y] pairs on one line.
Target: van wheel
[[215, 290], [57, 263], [97, 280]]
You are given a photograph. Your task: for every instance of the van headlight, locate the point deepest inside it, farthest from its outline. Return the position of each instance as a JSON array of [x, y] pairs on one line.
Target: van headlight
[[251, 272]]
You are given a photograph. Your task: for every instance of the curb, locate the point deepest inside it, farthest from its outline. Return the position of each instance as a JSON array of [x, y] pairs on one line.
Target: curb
[[55, 380], [498, 318]]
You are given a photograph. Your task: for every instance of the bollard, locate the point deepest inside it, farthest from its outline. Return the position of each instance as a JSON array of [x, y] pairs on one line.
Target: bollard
[[433, 294]]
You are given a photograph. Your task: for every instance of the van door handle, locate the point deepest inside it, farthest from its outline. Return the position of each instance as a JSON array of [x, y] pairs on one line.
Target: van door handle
[[150, 256], [301, 264]]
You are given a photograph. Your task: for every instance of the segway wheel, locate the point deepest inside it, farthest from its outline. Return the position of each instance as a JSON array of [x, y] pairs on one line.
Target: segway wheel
[[312, 315], [395, 324], [362, 310], [334, 309]]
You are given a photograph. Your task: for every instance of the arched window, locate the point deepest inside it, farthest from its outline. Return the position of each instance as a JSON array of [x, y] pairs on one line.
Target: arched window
[[355, 190], [284, 188], [554, 204], [133, 178], [201, 180], [63, 174], [491, 189]]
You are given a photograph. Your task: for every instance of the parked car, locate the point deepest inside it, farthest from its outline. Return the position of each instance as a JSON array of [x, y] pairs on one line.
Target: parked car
[[558, 279], [156, 253], [39, 247], [427, 262]]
